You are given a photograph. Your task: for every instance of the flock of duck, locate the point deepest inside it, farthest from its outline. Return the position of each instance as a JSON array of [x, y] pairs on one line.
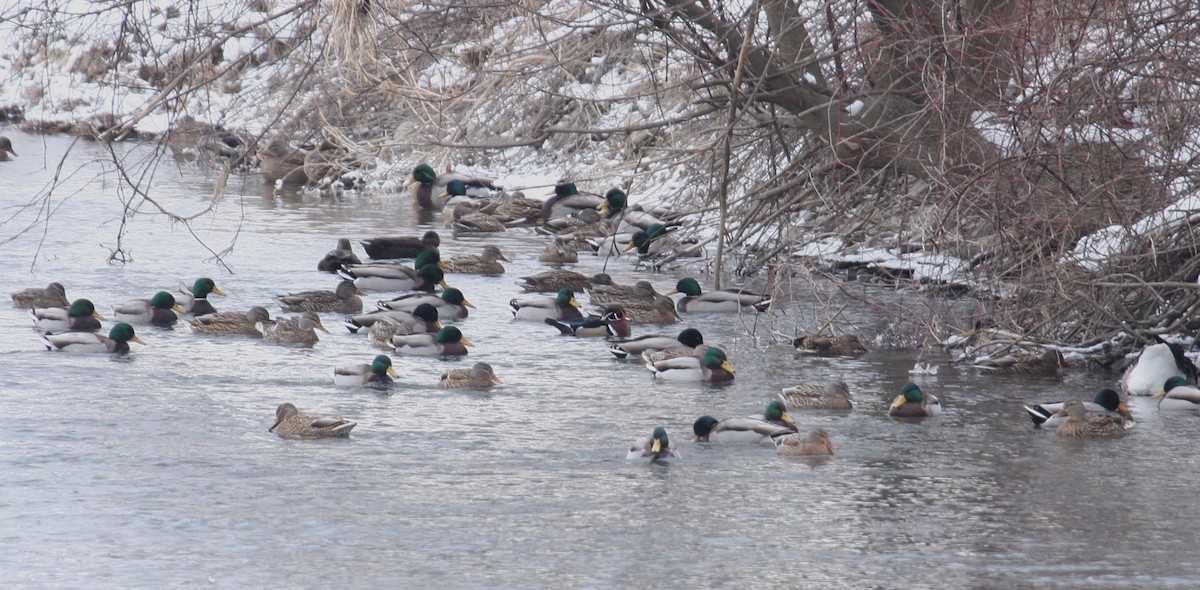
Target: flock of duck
[[410, 323]]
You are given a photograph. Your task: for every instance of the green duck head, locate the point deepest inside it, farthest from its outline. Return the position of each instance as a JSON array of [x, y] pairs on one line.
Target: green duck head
[[691, 338], [1170, 384], [424, 174], [614, 201], [383, 364], [776, 410], [203, 286], [715, 358], [123, 332], [433, 274], [450, 335], [566, 297], [702, 426], [455, 297], [456, 188], [83, 308], [661, 442], [164, 300], [428, 257], [909, 394], [640, 240], [427, 312], [565, 189], [1111, 400], [688, 286]]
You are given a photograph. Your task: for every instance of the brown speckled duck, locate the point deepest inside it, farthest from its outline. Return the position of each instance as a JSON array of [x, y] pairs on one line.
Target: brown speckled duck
[[335, 258], [54, 295], [834, 395], [6, 149], [1084, 424], [346, 299], [817, 344], [1050, 362], [290, 423], [816, 442], [301, 329], [479, 376], [553, 280], [232, 323], [487, 263]]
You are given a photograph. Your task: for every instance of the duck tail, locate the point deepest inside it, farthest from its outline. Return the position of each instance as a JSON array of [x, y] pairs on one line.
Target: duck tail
[[763, 304], [564, 329], [618, 351], [1037, 414], [352, 325], [346, 273]]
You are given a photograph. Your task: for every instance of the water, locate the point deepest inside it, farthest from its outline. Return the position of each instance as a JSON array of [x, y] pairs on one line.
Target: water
[[156, 470]]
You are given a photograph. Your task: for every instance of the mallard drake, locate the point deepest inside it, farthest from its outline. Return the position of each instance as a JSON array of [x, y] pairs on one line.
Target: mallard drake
[[229, 323], [834, 395], [428, 182], [301, 329], [338, 257], [401, 246], [1049, 362], [614, 322], [290, 423], [449, 341], [280, 162], [423, 318], [450, 305], [378, 374], [615, 208], [559, 251], [345, 299], [654, 356], [562, 307], [54, 295], [712, 367], [159, 310], [1106, 400], [194, 300], [660, 311], [750, 429], [394, 277], [117, 341], [1177, 394], [729, 300], [687, 340], [1156, 364], [817, 344], [6, 149], [81, 316], [1081, 423], [776, 413], [656, 447], [611, 294], [479, 376], [567, 200], [914, 403], [486, 263], [553, 280], [816, 442]]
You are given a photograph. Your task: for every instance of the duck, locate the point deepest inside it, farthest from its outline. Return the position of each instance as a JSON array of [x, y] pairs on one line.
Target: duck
[[654, 356], [345, 299], [378, 374], [712, 367], [54, 295], [338, 257], [615, 208], [390, 277], [776, 413], [614, 322], [423, 318], [815, 443], [464, 218], [451, 304], [290, 423], [117, 341], [553, 280], [567, 200], [562, 307], [1080, 423], [1106, 400], [388, 247], [734, 301], [820, 345], [230, 323], [1177, 394], [613, 294], [519, 210], [195, 299], [479, 376], [159, 310], [659, 311], [449, 341], [750, 429], [1156, 364], [687, 340], [81, 316], [559, 251], [1050, 362], [487, 263], [279, 162], [914, 403], [301, 329], [834, 395], [656, 447], [427, 181], [6, 149]]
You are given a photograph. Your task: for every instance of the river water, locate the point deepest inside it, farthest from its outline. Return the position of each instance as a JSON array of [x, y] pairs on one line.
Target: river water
[[156, 470]]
